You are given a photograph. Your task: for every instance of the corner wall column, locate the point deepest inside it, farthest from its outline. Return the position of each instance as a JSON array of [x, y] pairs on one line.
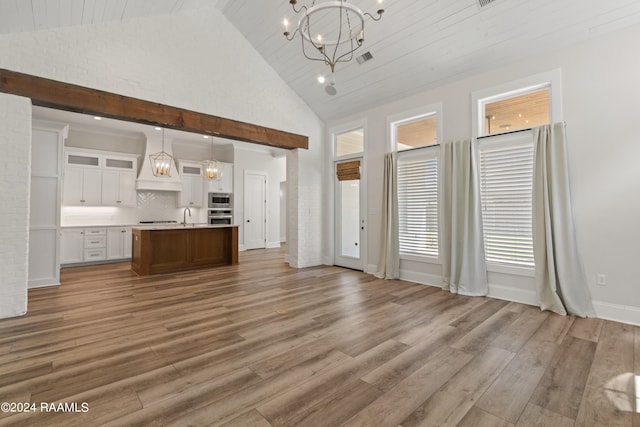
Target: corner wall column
[[15, 168]]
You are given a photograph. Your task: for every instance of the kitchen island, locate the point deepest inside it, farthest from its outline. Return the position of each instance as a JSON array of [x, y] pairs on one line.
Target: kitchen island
[[165, 249]]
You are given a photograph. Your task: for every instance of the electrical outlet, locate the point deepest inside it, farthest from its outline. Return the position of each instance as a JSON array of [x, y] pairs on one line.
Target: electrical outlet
[[602, 279]]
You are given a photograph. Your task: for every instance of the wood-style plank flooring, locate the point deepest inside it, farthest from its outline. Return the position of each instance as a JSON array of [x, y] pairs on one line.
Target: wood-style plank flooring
[[262, 344]]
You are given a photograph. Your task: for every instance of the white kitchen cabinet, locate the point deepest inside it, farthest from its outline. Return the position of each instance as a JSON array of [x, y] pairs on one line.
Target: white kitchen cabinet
[[119, 242], [82, 186], [119, 180], [192, 193], [95, 244], [99, 178], [122, 163], [82, 159], [225, 183], [72, 246], [47, 140], [118, 188]]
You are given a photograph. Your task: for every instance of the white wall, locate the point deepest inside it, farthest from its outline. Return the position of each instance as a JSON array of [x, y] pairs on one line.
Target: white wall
[[196, 61], [15, 178], [601, 89], [96, 140]]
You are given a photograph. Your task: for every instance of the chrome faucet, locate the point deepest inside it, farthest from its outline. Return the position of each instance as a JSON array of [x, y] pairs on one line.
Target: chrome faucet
[[184, 216]]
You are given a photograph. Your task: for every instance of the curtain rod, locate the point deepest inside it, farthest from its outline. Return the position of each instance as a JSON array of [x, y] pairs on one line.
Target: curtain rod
[[504, 133], [418, 148]]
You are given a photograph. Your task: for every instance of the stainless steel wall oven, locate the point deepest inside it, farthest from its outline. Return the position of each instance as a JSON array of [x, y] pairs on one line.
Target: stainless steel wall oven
[[220, 208]]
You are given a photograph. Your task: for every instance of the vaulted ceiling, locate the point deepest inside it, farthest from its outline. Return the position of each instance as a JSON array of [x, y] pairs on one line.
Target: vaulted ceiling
[[416, 46], [422, 44], [32, 15]]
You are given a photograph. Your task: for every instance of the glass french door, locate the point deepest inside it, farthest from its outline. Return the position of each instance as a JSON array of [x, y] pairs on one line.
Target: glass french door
[[349, 223]]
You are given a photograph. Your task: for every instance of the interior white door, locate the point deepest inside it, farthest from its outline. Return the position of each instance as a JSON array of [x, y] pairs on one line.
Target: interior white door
[[255, 210], [349, 224]]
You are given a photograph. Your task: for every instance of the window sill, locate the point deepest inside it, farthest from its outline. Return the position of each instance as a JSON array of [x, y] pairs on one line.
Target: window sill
[[510, 269]]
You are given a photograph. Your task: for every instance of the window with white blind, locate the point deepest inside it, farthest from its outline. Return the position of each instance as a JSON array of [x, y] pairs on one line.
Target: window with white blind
[[506, 185], [418, 202]]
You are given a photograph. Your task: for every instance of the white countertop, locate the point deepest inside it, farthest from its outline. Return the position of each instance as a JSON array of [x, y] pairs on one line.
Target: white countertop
[[179, 226], [152, 226], [100, 226]]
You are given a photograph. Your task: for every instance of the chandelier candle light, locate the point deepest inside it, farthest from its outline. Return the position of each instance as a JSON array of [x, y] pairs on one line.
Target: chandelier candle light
[[162, 162], [330, 31], [212, 167]]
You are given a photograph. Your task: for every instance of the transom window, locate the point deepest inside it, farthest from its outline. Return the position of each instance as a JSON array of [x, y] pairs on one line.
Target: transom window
[[515, 111], [348, 143], [418, 132]]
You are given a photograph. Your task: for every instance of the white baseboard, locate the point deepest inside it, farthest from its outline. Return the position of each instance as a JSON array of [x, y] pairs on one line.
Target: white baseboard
[[241, 247], [13, 314], [272, 245], [421, 278], [604, 310], [41, 284], [495, 291], [307, 263], [371, 269], [617, 312], [508, 293]]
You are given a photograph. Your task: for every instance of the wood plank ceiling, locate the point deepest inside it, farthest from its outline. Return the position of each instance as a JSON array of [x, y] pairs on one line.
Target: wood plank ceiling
[[416, 46], [423, 44], [22, 16]]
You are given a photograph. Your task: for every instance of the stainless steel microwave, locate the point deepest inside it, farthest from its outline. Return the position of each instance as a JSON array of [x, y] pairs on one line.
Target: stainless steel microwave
[[220, 200]]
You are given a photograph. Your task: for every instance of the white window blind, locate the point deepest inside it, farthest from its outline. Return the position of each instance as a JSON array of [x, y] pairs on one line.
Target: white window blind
[[506, 185], [418, 203]]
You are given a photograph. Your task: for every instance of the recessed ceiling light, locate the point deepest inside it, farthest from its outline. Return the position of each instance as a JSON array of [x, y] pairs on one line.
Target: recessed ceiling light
[[157, 128], [205, 136], [97, 118], [321, 79]]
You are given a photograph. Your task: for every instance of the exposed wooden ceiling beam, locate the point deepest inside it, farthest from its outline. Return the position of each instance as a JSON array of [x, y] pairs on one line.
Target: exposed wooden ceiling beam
[[64, 96]]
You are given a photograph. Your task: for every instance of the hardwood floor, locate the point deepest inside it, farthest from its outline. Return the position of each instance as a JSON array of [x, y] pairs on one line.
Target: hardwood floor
[[262, 344]]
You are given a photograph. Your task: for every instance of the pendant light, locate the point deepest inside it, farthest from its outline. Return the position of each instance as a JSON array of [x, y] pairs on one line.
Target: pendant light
[[213, 168], [162, 162], [330, 31]]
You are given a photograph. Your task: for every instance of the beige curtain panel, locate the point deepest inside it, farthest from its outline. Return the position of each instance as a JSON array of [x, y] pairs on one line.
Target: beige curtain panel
[[389, 262], [560, 281], [464, 269]]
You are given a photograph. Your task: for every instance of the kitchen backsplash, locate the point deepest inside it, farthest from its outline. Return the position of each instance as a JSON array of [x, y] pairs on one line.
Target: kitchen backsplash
[[150, 205]]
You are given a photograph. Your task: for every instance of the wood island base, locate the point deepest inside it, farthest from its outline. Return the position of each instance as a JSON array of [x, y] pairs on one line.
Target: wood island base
[[165, 250]]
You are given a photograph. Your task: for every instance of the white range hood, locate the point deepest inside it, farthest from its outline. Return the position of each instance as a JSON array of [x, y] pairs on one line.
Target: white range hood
[[146, 179]]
